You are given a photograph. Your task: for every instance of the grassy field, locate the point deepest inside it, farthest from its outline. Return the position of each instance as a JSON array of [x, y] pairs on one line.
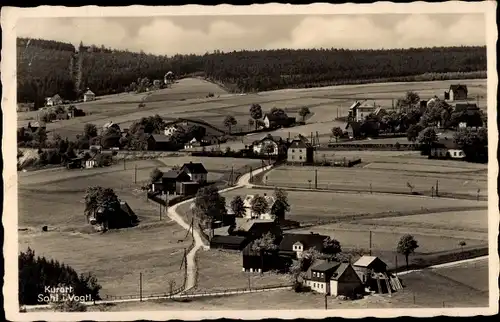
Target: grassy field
[[221, 270], [69, 237], [312, 206], [187, 99], [476, 221], [429, 289], [392, 176]]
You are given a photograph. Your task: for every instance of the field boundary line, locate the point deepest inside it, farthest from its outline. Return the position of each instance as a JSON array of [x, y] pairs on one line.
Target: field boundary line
[[449, 264]]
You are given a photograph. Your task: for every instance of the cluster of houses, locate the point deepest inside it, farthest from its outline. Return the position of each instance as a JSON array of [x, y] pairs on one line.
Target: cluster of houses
[[95, 157], [57, 100], [183, 181]]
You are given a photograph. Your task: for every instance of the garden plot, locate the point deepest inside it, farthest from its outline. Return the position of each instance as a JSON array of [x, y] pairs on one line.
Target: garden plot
[[377, 180], [221, 270]]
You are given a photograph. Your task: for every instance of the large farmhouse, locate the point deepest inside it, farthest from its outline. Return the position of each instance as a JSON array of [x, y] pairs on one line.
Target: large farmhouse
[[300, 152], [333, 278], [446, 149]]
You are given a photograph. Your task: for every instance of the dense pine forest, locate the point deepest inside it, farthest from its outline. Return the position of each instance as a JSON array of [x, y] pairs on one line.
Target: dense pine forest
[[46, 68]]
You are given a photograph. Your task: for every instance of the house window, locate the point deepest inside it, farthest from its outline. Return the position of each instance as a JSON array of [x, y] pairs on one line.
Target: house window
[[293, 150], [300, 151], [314, 284], [322, 274], [300, 157], [293, 157]]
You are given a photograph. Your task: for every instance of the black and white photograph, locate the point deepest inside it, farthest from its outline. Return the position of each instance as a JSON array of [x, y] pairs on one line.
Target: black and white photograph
[[250, 162]]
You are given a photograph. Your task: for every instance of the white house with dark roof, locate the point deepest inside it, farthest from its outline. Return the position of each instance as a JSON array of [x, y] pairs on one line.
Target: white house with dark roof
[[196, 171], [248, 207], [88, 96]]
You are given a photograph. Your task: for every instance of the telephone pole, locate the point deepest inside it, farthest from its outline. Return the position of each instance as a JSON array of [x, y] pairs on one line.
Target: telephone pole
[[370, 243], [140, 286], [326, 302], [135, 174], [159, 204], [315, 178], [437, 188]]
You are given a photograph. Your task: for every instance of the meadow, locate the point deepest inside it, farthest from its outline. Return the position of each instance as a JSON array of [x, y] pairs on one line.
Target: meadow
[[311, 207], [448, 287], [187, 98], [221, 270], [387, 176]]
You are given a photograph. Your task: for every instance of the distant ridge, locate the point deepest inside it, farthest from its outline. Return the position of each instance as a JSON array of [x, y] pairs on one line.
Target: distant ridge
[[47, 67]]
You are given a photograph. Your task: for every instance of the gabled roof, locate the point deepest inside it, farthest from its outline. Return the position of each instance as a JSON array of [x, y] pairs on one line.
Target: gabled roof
[[325, 266], [445, 144], [126, 208], [194, 167], [38, 124], [340, 271], [233, 240], [274, 138], [299, 144], [355, 105], [173, 174], [89, 92], [270, 199], [461, 107], [457, 87], [160, 138], [367, 261], [308, 240], [244, 224], [56, 97]]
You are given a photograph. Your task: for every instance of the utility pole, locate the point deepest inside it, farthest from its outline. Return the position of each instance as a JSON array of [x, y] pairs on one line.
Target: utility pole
[[159, 204], [437, 188], [371, 190], [478, 191], [140, 286], [432, 192], [124, 158], [370, 243], [135, 174], [396, 260], [232, 173], [326, 302], [315, 178]]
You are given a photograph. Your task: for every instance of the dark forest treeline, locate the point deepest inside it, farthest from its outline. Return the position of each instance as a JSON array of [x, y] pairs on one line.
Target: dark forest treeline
[[45, 68]]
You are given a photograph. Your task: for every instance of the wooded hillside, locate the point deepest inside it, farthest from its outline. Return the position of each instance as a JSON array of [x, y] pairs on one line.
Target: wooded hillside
[[46, 68]]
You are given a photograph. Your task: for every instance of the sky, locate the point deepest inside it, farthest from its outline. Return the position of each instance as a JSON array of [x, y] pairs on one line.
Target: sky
[[200, 34]]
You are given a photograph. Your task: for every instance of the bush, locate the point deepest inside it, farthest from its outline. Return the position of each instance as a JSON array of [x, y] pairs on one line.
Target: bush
[[299, 288]]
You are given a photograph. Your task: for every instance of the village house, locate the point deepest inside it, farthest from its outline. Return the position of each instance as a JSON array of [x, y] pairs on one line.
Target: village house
[[228, 242], [260, 146], [33, 127], [170, 180], [88, 96], [273, 121], [249, 214], [358, 111], [456, 92], [53, 101], [255, 228], [293, 245], [193, 143], [300, 152], [333, 278], [124, 218], [171, 129], [446, 149], [159, 142], [255, 261], [374, 274], [196, 172], [209, 140]]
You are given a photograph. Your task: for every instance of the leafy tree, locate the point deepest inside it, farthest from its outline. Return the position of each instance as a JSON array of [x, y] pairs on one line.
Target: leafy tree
[[97, 197], [337, 133], [462, 243], [155, 175], [303, 112], [251, 123], [40, 137], [410, 101], [427, 137], [308, 257], [331, 246], [256, 113], [90, 130], [229, 122], [238, 206], [281, 205], [259, 205], [413, 131], [406, 246], [209, 204], [473, 142], [278, 113]]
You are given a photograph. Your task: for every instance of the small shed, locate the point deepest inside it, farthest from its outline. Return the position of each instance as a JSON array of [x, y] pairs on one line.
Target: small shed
[[88, 96], [187, 188], [228, 242], [367, 265]]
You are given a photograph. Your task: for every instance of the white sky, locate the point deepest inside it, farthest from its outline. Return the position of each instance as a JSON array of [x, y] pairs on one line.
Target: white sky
[[199, 34]]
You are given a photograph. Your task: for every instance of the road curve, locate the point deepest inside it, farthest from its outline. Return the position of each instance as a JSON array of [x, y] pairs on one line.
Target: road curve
[[243, 181]]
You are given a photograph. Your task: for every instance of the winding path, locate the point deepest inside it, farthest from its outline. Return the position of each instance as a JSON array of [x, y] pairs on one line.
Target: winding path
[[243, 181]]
